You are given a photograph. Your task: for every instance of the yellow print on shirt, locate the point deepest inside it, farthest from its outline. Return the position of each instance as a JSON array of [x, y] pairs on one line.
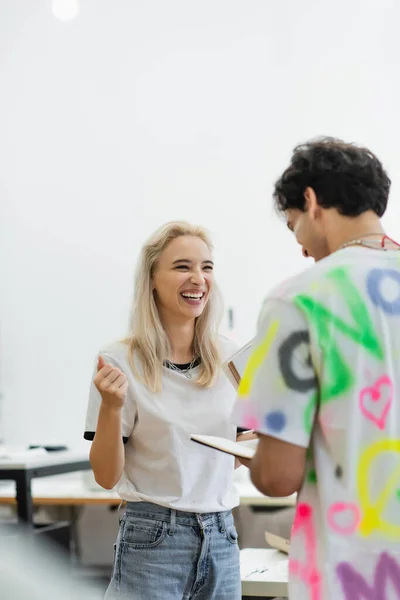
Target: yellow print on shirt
[[373, 507], [256, 360]]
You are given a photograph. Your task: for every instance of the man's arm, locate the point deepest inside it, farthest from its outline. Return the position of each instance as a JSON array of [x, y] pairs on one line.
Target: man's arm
[[278, 467]]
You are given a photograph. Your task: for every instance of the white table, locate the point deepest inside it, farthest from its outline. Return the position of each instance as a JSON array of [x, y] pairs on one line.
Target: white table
[[25, 467], [62, 490], [264, 573], [72, 490], [250, 496]]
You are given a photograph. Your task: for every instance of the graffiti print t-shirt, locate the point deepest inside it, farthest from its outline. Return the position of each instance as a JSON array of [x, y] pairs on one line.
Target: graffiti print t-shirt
[[325, 375]]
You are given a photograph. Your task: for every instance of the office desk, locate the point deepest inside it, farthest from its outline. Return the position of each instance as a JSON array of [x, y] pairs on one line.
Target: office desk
[[72, 493], [264, 573], [71, 490], [250, 496], [23, 472], [62, 490]]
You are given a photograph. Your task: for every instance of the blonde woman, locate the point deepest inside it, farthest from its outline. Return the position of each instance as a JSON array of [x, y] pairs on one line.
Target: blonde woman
[[177, 540]]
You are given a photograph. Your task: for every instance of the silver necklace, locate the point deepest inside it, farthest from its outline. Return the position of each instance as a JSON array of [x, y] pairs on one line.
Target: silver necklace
[[362, 242], [185, 372]]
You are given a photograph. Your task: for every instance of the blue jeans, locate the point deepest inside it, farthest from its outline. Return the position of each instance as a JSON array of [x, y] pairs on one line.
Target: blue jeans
[[164, 554]]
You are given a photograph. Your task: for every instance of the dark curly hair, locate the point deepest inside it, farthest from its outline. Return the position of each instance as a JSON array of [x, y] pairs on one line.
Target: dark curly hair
[[343, 176]]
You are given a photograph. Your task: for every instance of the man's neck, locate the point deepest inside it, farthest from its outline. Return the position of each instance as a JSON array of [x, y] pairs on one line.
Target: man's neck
[[342, 230], [181, 336]]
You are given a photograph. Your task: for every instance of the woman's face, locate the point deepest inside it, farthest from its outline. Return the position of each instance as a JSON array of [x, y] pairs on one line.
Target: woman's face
[[183, 278]]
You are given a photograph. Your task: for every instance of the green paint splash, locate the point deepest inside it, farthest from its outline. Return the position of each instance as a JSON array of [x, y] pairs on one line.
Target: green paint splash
[[312, 476], [337, 377]]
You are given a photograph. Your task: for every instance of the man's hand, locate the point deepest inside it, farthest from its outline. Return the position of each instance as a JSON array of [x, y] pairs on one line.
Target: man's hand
[[244, 437], [244, 461]]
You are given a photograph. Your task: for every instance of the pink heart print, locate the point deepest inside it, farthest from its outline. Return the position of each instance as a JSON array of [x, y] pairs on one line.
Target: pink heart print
[[373, 405], [350, 510]]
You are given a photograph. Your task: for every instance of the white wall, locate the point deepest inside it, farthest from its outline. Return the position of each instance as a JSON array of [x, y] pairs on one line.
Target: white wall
[[138, 112]]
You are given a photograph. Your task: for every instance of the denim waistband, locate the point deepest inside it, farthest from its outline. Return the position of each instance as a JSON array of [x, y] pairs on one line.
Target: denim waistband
[[162, 513]]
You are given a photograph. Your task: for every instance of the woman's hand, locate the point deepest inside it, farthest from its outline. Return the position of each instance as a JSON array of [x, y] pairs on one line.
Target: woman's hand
[[111, 383]]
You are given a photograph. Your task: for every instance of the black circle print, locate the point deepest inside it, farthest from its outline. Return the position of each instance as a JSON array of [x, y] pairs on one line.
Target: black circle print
[[286, 356]]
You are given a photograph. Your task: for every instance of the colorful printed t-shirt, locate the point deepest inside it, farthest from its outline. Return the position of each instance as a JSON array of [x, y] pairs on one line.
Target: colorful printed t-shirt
[[325, 375]]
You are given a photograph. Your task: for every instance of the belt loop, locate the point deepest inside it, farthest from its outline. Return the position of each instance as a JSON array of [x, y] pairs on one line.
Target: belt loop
[[172, 522], [221, 522]]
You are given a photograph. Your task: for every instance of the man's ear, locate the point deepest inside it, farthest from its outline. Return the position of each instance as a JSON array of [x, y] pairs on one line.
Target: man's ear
[[311, 203]]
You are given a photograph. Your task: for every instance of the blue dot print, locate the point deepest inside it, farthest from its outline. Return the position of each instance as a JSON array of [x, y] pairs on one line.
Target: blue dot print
[[375, 278], [275, 421]]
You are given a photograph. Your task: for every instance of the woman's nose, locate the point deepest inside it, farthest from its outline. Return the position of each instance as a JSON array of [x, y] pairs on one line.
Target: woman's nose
[[305, 253], [197, 277]]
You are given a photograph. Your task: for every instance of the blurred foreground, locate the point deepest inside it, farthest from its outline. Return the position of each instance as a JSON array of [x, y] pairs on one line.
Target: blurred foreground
[[32, 567]]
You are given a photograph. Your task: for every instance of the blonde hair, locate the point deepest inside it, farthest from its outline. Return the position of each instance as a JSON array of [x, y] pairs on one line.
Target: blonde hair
[[148, 339]]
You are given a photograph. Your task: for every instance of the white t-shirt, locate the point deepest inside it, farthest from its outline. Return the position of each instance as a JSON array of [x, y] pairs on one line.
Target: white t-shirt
[[328, 348], [162, 464]]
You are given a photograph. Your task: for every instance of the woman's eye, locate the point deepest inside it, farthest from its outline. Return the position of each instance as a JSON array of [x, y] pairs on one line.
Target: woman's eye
[[182, 268], [209, 268]]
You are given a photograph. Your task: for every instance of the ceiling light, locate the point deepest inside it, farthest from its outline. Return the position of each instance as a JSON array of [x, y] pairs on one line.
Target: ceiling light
[[65, 10]]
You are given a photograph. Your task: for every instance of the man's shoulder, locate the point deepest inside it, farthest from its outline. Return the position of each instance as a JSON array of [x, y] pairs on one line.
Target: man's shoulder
[[307, 281], [227, 346]]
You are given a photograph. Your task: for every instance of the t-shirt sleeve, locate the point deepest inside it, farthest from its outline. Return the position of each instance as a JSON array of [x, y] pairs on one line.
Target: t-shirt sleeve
[[278, 392], [92, 413]]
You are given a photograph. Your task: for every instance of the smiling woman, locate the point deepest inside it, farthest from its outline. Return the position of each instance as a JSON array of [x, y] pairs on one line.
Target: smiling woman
[[177, 304], [151, 392], [188, 280], [194, 295]]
